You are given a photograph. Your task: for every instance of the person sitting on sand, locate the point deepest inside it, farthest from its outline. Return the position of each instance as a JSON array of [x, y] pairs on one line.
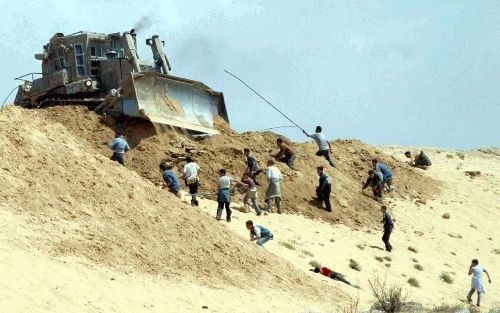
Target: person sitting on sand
[[376, 181], [421, 160], [259, 233], [285, 155], [477, 271], [253, 169], [329, 273]]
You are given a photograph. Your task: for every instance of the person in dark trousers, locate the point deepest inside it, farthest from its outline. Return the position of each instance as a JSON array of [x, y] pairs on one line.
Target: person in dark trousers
[[224, 195], [376, 181], [191, 178], [171, 179], [324, 146], [388, 227], [324, 189], [329, 273], [421, 160], [286, 154], [119, 146], [477, 271], [259, 233], [253, 169], [386, 172]]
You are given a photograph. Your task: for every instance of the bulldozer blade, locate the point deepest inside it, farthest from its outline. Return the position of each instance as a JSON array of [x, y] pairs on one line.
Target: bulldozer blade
[[174, 101]]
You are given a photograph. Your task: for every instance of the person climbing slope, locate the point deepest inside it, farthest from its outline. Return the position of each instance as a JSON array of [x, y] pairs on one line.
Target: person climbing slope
[[171, 179], [376, 181], [477, 271], [258, 233], [119, 145], [386, 172], [190, 174], [250, 188], [324, 146]]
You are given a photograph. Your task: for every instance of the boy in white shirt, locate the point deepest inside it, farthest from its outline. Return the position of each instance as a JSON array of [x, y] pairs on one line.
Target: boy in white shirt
[[190, 174]]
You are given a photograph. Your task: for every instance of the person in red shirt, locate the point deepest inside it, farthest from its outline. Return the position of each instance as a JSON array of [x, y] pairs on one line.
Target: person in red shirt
[[329, 273]]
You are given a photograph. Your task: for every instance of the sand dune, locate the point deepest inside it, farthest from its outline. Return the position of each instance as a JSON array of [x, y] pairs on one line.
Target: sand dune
[[78, 233]]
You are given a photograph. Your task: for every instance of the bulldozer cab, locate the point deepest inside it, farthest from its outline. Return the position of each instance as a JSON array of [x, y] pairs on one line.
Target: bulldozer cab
[[104, 72]]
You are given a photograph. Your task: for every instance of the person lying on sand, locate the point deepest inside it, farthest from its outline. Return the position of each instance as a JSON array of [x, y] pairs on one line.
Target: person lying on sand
[[329, 273], [477, 271]]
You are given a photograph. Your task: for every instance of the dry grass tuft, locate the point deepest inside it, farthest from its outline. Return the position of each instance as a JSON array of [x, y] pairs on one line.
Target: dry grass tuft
[[354, 265]]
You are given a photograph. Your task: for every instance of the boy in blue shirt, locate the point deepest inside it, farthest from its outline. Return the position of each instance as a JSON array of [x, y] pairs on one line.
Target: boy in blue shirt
[[171, 179], [386, 173], [119, 146]]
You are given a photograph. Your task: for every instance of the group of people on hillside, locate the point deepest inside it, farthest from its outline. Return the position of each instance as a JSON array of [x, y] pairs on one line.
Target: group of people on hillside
[[379, 176]]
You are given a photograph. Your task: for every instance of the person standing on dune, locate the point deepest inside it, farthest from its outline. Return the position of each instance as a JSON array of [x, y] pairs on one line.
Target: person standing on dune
[[388, 227], [273, 192], [190, 173]]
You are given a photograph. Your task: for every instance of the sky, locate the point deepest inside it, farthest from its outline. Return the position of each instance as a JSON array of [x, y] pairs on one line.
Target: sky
[[420, 73]]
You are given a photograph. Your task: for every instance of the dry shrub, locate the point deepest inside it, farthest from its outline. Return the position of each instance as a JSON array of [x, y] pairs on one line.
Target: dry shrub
[[446, 277], [287, 245], [414, 282], [354, 265], [351, 307], [447, 308], [307, 253], [315, 263], [379, 258], [419, 267], [388, 298]]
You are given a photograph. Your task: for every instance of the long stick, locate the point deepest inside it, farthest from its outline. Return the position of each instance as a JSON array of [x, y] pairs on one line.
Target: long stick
[[246, 85]]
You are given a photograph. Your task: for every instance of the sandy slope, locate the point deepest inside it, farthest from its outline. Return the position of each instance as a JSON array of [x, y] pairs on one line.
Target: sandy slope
[[68, 245], [474, 209], [63, 201]]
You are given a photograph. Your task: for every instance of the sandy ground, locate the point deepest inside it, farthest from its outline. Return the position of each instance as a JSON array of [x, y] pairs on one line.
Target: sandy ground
[[443, 245], [68, 245]]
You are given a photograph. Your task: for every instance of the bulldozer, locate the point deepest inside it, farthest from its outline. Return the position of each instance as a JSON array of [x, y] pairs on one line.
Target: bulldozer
[[105, 73]]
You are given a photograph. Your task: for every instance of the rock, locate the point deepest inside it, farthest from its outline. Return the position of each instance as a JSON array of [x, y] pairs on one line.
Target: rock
[[343, 203], [421, 201], [455, 235], [413, 249], [473, 174], [446, 216]]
